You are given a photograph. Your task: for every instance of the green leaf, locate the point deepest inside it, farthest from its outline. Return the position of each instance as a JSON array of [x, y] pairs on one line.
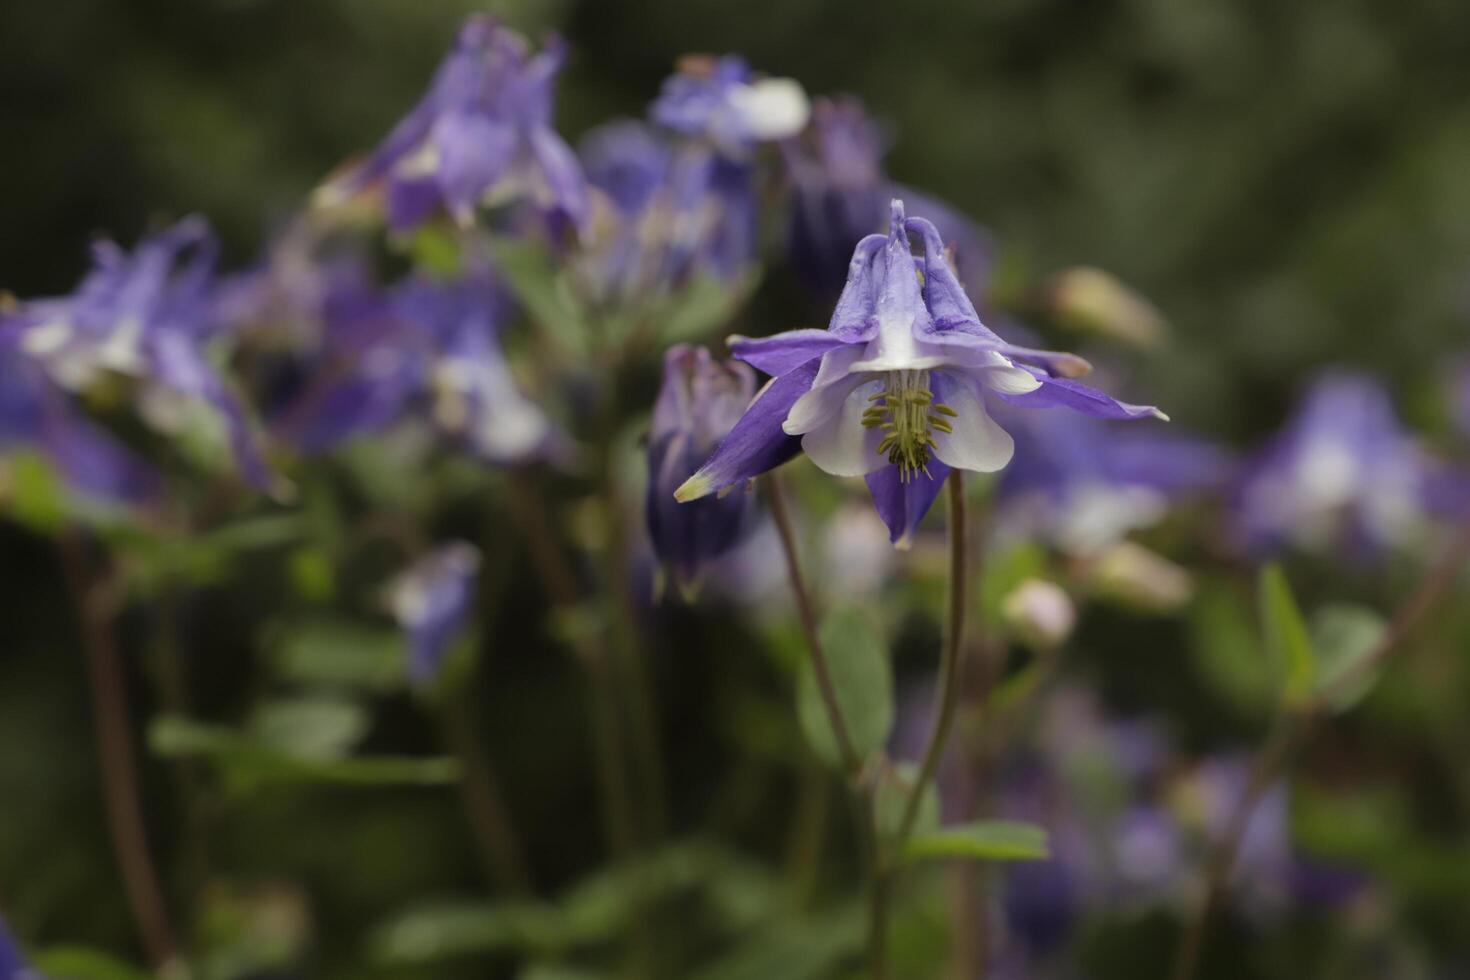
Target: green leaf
[[702, 306], [984, 840], [862, 682], [338, 653], [793, 949], [81, 963], [311, 728], [534, 278], [891, 798], [1227, 651], [1287, 641], [37, 496], [1344, 636]]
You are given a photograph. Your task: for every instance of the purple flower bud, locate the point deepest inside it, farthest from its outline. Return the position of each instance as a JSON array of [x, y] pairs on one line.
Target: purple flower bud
[[897, 388], [719, 100], [700, 400], [431, 602], [482, 131]]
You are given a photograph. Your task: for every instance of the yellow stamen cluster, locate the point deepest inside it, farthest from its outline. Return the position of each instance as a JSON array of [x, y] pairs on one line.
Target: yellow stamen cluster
[[907, 413]]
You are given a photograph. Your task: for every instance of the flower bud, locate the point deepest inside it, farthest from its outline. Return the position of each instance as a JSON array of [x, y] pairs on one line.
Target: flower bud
[[1135, 576], [1040, 614], [1090, 299]]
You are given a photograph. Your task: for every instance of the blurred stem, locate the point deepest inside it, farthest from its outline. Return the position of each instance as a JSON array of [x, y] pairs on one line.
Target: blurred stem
[[852, 764], [946, 695], [484, 800], [808, 833], [1292, 726], [95, 600]]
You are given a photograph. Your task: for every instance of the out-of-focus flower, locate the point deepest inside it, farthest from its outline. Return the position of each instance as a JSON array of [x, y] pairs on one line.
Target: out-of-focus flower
[[1134, 576], [427, 343], [36, 414], [671, 214], [1344, 473], [482, 133], [700, 400], [1090, 299], [720, 100], [12, 966], [146, 315], [1040, 614], [840, 195], [895, 389], [431, 602], [1082, 485]]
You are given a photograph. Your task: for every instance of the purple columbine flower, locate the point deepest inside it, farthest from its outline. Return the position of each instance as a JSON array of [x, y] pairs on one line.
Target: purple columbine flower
[[1084, 484], [840, 194], [483, 132], [719, 100], [431, 601], [12, 965], [1344, 472], [896, 389], [699, 402], [35, 413], [147, 315], [428, 344]]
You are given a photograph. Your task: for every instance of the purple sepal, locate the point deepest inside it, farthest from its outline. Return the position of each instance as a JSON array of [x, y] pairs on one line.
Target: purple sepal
[[903, 503]]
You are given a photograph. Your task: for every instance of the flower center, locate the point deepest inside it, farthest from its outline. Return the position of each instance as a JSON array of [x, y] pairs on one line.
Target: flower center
[[906, 411]]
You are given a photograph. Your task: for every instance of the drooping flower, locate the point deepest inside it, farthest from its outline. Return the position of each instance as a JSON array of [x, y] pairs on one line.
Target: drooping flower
[[431, 601], [428, 345], [146, 315], [1083, 484], [483, 132], [896, 389], [36, 414], [700, 400], [840, 195], [721, 101], [1344, 473]]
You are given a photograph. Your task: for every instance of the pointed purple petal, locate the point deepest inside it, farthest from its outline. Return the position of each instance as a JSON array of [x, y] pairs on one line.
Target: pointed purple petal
[[474, 151], [757, 443], [1065, 393], [783, 352]]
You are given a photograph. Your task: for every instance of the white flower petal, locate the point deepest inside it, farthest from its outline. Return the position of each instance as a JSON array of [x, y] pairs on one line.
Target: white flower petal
[[842, 446], [977, 442], [1009, 380], [833, 383]]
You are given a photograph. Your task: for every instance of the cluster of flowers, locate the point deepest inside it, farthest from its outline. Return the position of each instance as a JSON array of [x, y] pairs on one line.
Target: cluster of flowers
[[310, 349]]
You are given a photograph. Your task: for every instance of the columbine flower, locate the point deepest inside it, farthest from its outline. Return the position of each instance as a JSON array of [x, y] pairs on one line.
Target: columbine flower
[[427, 342], [1083, 485], [1343, 471], [701, 399], [431, 601], [147, 316], [895, 389], [36, 414], [12, 966], [840, 194], [482, 132], [719, 100]]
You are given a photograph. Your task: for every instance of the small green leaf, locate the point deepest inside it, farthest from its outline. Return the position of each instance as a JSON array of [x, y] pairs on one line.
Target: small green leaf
[[536, 282], [81, 963], [862, 683], [891, 798], [338, 653], [1287, 641], [37, 496], [984, 840], [311, 728], [1227, 651], [1344, 636]]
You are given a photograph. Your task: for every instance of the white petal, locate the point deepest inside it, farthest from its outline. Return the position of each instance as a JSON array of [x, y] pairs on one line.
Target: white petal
[[976, 443], [771, 109], [1009, 380], [831, 387], [842, 446]]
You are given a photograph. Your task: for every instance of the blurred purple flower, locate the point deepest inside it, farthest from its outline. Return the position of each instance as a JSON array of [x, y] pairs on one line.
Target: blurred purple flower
[[699, 402], [840, 195], [426, 344], [1344, 473], [719, 100], [146, 315], [1082, 484], [12, 966], [431, 601], [484, 130], [36, 414], [895, 389]]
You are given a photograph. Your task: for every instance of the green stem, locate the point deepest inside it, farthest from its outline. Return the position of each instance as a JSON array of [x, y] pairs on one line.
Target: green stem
[[489, 817]]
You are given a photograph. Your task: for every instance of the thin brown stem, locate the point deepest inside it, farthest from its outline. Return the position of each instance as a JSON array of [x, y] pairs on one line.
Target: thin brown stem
[[95, 601], [1271, 759], [946, 695]]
